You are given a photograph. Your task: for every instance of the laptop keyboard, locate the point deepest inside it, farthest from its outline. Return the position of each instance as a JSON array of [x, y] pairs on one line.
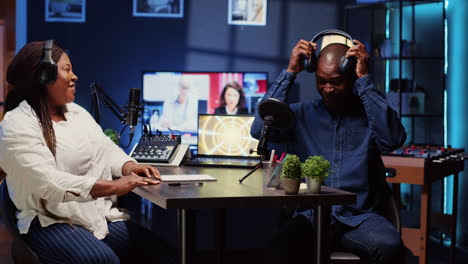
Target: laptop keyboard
[[227, 160], [219, 162]]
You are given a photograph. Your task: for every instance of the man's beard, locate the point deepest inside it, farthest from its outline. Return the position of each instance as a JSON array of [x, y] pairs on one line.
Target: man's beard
[[334, 102]]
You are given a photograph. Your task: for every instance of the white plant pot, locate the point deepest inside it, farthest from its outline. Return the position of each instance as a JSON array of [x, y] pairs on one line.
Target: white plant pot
[[313, 186], [291, 186]]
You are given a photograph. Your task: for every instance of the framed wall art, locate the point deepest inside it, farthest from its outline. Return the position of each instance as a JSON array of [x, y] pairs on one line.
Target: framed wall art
[[247, 12], [158, 8], [65, 11]]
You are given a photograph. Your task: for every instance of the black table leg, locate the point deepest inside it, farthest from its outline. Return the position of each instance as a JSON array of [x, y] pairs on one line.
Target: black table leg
[[220, 233], [185, 218], [321, 226]]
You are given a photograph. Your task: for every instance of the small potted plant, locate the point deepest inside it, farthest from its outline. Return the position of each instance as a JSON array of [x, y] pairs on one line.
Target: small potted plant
[[291, 174], [315, 169]]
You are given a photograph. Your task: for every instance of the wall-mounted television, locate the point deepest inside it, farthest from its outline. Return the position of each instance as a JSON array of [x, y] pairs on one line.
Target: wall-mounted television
[[173, 100]]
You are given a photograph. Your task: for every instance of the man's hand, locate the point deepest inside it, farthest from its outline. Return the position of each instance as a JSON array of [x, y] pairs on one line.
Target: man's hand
[[140, 169], [299, 53], [362, 58]]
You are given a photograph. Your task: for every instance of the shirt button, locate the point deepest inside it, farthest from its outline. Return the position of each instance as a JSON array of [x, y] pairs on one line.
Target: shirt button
[[336, 165]]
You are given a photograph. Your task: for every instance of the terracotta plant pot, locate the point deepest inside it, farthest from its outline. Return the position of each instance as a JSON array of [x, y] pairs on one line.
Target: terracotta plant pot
[[291, 186], [313, 186]]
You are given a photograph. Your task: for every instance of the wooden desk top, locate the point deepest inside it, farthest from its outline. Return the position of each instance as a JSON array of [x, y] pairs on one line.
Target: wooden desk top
[[227, 192]]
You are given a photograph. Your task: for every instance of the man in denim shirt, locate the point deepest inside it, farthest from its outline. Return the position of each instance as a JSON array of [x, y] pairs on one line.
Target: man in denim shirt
[[350, 125]]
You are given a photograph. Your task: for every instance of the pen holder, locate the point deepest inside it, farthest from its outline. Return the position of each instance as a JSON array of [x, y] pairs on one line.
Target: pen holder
[[271, 174]]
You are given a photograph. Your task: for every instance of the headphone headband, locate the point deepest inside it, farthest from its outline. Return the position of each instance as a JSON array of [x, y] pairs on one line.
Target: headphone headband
[[48, 44], [47, 52], [47, 69], [347, 65], [331, 32]]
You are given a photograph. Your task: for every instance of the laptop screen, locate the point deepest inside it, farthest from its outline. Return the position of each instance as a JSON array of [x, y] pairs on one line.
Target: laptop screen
[[225, 135]]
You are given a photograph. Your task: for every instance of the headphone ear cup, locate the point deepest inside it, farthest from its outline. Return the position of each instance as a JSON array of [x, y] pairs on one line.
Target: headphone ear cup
[[46, 73], [310, 64], [348, 66]]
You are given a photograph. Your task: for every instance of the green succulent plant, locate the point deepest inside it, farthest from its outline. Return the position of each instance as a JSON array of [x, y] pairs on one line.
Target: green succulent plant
[[291, 167], [316, 167], [112, 135]]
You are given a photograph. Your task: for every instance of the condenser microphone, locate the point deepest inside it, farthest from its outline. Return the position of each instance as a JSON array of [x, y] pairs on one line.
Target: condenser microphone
[[133, 107]]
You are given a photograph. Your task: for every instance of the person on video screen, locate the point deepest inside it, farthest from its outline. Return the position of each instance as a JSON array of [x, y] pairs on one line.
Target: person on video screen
[[232, 100], [181, 113]]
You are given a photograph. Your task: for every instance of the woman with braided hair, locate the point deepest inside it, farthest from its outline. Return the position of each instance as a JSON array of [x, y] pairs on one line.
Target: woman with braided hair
[[59, 167]]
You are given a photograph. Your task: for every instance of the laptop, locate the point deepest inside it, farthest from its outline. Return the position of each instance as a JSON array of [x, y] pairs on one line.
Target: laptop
[[225, 141]]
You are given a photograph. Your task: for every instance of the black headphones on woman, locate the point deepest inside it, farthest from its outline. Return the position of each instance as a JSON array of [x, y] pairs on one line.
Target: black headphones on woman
[[347, 65], [47, 69]]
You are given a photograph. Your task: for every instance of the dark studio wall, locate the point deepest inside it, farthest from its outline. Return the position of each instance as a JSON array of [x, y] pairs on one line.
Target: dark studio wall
[[113, 48]]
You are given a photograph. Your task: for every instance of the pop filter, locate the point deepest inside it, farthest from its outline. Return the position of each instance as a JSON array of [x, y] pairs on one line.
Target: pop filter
[[281, 114]]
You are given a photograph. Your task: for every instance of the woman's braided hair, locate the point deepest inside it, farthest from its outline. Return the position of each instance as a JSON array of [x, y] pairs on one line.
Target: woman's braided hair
[[21, 75]]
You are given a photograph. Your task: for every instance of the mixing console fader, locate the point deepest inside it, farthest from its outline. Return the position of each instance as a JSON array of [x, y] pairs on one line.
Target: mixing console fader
[[156, 148]]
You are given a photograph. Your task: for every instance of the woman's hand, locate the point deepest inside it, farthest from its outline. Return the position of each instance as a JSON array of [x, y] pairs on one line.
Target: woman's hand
[[126, 184], [120, 186], [140, 169]]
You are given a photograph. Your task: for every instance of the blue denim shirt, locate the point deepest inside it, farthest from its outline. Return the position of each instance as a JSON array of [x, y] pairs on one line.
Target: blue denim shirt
[[352, 141]]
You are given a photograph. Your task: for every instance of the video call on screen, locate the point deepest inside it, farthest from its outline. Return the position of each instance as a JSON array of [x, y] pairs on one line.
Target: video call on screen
[[173, 100]]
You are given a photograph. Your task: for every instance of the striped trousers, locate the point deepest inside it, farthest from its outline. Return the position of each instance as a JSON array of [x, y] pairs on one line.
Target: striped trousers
[[125, 243]]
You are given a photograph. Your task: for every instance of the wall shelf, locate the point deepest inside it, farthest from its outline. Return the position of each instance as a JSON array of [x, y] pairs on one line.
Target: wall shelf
[[409, 58], [388, 4]]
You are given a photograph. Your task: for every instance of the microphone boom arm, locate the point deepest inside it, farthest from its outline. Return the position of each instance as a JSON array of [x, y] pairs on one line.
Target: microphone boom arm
[[103, 97]]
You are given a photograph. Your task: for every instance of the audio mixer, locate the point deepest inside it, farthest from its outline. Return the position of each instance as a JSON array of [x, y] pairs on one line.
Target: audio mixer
[[156, 148]]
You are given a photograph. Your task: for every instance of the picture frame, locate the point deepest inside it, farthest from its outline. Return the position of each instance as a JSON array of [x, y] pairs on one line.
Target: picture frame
[[65, 11], [247, 12], [158, 8]]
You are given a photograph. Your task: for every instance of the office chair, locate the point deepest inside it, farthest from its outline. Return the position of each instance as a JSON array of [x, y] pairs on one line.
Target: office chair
[[20, 251], [392, 213]]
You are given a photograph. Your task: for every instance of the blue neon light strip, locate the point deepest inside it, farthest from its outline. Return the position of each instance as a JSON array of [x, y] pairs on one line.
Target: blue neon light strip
[[387, 63], [446, 180]]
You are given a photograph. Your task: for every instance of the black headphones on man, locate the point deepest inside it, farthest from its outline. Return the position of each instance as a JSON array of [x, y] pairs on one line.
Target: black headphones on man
[[47, 69], [347, 65]]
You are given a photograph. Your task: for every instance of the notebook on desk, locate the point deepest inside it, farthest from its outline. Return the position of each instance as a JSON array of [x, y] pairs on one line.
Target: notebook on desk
[[225, 141]]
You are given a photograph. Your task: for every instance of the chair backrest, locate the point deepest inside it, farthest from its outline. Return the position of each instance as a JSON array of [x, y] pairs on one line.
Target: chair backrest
[[8, 210], [20, 251], [392, 212]]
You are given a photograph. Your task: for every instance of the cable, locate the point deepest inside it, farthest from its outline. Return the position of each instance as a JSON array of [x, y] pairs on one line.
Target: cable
[[130, 134], [173, 130]]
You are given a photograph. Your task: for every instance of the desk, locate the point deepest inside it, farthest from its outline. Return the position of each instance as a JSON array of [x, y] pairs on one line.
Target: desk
[[227, 192]]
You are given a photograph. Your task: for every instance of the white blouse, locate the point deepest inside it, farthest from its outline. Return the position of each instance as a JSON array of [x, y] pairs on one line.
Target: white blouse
[[83, 155]]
